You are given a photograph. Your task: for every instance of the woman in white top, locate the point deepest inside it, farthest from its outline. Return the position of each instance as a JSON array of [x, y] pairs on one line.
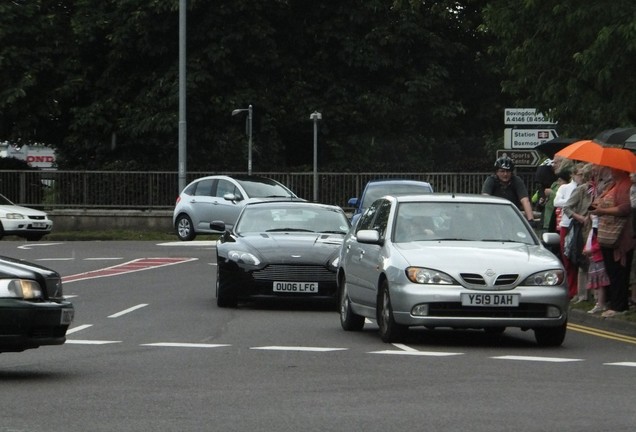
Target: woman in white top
[[560, 199]]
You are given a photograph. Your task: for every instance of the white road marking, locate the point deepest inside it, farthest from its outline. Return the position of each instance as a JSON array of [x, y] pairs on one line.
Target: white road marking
[[78, 328], [418, 353], [404, 347], [31, 245], [89, 342], [55, 259], [125, 311], [185, 345], [190, 243], [103, 258], [70, 296], [538, 359], [298, 348], [407, 350], [628, 364]]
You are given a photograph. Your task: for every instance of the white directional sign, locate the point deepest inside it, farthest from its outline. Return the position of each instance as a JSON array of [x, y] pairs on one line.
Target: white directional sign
[[527, 138], [521, 158], [525, 116]]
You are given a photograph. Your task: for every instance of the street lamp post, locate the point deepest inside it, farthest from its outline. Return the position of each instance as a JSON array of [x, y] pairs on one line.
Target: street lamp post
[[316, 117], [249, 135]]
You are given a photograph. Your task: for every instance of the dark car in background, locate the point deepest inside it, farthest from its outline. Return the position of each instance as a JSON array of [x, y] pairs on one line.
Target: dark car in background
[[221, 198], [378, 188], [33, 311], [280, 250]]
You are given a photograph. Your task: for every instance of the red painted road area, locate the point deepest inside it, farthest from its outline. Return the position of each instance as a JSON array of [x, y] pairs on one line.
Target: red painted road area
[[128, 267]]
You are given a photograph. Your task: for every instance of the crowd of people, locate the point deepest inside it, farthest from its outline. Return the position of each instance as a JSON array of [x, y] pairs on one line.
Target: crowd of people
[[593, 209]]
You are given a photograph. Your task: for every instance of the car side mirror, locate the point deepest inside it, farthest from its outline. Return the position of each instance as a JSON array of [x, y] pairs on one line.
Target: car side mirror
[[550, 238], [368, 236], [231, 197], [217, 226], [353, 202]]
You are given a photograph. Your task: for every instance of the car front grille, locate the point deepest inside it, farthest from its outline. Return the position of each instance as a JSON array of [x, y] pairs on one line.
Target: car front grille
[[451, 309], [477, 279], [295, 273], [39, 218]]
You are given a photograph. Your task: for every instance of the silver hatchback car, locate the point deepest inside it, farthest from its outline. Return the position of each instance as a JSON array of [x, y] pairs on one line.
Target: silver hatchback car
[[458, 261], [220, 198]]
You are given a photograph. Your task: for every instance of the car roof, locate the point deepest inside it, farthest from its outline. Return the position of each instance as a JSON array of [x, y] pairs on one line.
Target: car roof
[[239, 177], [290, 202], [396, 181], [449, 197]]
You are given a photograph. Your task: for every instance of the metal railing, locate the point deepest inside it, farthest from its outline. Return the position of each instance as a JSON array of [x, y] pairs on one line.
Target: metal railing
[[158, 190]]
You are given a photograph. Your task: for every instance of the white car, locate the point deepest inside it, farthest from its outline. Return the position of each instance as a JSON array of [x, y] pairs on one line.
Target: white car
[[23, 221], [220, 198], [458, 261]]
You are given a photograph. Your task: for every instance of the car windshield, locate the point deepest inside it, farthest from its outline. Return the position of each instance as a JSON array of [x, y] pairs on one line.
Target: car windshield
[[292, 218], [5, 201], [488, 222], [396, 189], [265, 188]]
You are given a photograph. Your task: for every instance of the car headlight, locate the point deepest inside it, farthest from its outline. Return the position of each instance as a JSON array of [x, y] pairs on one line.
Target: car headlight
[[423, 275], [545, 278], [243, 257], [334, 262], [20, 288], [14, 216]]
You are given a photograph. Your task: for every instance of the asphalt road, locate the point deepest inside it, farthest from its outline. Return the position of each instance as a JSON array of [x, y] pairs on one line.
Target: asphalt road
[[150, 351]]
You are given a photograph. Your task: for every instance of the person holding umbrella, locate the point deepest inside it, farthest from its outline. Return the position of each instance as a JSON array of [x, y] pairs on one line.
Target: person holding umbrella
[[612, 207]]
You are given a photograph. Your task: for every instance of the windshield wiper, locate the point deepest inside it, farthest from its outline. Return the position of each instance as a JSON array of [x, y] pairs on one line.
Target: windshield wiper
[[333, 232]]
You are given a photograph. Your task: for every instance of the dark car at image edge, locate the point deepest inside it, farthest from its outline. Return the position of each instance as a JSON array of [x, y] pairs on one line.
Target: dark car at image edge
[[33, 310]]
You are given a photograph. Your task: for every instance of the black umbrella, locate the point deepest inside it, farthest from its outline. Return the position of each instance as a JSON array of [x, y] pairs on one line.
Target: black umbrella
[[615, 136], [549, 148], [630, 143]]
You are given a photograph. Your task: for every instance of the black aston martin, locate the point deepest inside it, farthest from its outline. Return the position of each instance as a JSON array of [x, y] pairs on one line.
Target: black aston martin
[[281, 249]]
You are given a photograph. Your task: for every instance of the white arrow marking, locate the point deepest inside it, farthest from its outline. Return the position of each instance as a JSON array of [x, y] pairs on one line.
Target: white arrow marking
[[30, 245]]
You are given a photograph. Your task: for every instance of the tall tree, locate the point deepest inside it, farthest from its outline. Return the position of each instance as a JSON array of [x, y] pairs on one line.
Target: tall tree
[[572, 60]]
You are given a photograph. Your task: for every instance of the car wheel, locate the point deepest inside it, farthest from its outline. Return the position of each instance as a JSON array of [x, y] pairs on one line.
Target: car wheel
[[550, 336], [390, 331], [185, 230], [225, 295], [348, 320]]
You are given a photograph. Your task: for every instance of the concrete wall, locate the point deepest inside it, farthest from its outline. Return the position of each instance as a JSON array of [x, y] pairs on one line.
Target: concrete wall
[[104, 220]]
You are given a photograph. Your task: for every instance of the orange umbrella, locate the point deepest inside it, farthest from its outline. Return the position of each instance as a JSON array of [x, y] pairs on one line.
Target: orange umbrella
[[618, 158], [585, 150]]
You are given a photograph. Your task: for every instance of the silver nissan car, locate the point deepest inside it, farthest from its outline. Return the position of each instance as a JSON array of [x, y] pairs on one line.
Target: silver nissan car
[[458, 261]]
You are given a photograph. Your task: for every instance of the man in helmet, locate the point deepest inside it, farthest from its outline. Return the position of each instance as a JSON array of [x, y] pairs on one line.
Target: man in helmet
[[505, 184]]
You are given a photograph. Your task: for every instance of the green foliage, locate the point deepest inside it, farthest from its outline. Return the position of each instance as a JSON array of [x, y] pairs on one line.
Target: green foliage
[[409, 85], [571, 59]]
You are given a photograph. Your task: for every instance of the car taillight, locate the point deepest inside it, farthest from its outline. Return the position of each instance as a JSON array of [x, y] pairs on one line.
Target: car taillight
[[178, 199]]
